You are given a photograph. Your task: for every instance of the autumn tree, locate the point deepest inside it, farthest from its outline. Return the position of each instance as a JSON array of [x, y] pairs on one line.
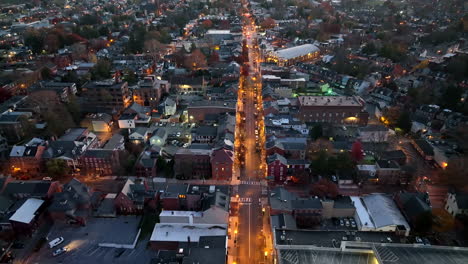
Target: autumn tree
[[196, 60], [207, 24], [268, 23], [356, 151]]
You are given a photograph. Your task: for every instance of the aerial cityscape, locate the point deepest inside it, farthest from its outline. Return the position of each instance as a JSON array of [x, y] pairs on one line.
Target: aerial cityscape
[[234, 131]]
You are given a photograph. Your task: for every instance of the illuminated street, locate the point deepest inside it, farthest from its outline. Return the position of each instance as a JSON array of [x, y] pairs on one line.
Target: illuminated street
[[250, 152]]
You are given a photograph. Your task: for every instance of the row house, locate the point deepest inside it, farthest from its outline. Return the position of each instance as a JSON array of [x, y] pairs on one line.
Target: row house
[[279, 168], [27, 158]]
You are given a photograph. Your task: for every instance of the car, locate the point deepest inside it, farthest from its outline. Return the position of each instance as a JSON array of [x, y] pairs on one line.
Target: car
[[160, 124], [47, 179], [173, 124], [178, 134], [341, 222], [59, 251], [346, 222], [56, 242], [186, 145]]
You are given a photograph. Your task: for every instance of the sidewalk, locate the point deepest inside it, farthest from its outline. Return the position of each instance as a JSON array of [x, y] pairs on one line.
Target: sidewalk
[[232, 243]]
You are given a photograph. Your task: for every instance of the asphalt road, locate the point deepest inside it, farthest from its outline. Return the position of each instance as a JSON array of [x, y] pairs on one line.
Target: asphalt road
[[250, 237]]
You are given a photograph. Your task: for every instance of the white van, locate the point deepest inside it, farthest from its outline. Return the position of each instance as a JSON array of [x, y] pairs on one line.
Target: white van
[[56, 242]]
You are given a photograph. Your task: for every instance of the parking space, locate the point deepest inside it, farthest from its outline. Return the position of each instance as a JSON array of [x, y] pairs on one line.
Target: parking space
[[339, 223], [83, 243]]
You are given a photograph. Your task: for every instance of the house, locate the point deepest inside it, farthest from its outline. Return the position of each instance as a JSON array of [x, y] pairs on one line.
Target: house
[[424, 148], [27, 217], [128, 120], [374, 133], [148, 92], [168, 107], [138, 135], [133, 196], [43, 190], [27, 158], [222, 161], [116, 142], [280, 168], [159, 137], [396, 155], [100, 162], [13, 125], [457, 203], [413, 205], [193, 163], [146, 164], [72, 204], [388, 171], [174, 197], [100, 122], [205, 134]]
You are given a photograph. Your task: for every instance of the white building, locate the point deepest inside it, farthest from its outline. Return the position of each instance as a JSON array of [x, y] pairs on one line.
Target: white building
[[378, 212], [457, 203]]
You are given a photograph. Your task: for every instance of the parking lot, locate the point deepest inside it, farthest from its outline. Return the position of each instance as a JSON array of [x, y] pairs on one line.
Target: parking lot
[[82, 243], [335, 224]]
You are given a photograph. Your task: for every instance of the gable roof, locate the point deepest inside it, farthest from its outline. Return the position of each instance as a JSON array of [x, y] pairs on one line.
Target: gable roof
[[31, 188]]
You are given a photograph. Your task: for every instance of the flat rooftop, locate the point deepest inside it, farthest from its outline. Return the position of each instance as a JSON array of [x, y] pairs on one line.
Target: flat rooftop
[[181, 232], [303, 256], [410, 254], [324, 238], [330, 101]]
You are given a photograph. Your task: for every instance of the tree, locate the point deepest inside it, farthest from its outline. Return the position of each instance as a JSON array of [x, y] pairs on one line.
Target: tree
[[207, 24], [57, 168], [324, 189], [34, 39], [404, 122], [318, 146], [316, 131], [268, 23], [356, 151], [196, 60], [154, 48], [319, 165], [101, 70], [423, 222], [130, 77]]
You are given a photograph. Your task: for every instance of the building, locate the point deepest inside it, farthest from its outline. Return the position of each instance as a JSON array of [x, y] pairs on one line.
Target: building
[[72, 204], [388, 171], [105, 97], [192, 163], [158, 137], [280, 168], [198, 111], [289, 56], [457, 203], [148, 92], [26, 217], [100, 122], [146, 164], [63, 90], [27, 158], [14, 125], [168, 107], [133, 196], [171, 236], [100, 162], [339, 110], [424, 148], [413, 205], [222, 161], [205, 134], [374, 133], [212, 215], [378, 212], [43, 190]]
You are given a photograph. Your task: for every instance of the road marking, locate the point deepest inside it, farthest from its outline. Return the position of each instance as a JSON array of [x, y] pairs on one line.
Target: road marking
[[249, 230]]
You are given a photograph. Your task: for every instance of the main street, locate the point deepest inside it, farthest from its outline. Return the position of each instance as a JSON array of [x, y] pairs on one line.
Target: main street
[[251, 164]]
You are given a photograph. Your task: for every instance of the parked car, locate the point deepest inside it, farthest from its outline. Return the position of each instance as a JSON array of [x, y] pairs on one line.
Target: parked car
[[347, 222], [56, 242], [59, 251], [341, 222]]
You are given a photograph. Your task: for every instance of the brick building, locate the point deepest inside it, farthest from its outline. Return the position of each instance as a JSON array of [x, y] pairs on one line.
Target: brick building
[[198, 111], [343, 110], [27, 158], [149, 90], [100, 162], [192, 163], [222, 161], [279, 168], [105, 96]]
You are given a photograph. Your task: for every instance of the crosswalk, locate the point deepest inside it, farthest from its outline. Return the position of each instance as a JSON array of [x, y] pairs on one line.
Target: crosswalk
[[252, 183], [245, 200]]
